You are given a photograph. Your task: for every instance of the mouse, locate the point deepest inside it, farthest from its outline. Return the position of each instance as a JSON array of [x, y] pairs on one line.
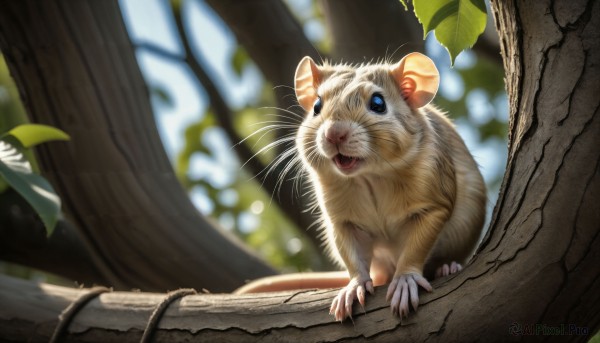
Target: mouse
[[401, 198]]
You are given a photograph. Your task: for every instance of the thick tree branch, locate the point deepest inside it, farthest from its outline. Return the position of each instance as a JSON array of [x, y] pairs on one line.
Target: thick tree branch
[[114, 178], [397, 33], [23, 240], [224, 115], [355, 38], [272, 36], [274, 317]]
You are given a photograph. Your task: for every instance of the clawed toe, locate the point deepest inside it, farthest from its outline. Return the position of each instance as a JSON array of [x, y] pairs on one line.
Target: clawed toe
[[404, 292], [448, 269], [341, 307]]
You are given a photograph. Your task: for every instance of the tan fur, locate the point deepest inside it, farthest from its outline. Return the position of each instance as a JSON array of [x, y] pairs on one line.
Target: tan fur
[[417, 199], [420, 194]]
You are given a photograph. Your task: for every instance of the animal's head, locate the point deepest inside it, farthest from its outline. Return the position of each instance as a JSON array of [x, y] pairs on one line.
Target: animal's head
[[363, 119]]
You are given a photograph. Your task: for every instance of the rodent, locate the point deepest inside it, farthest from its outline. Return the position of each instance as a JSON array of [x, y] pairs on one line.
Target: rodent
[[401, 197]]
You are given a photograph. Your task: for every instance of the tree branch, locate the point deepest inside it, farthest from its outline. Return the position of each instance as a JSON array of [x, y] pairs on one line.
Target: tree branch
[[268, 317], [23, 240], [223, 113], [355, 39], [273, 37], [114, 178]]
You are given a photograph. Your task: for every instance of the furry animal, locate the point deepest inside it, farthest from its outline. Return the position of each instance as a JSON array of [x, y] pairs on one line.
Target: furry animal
[[401, 197]]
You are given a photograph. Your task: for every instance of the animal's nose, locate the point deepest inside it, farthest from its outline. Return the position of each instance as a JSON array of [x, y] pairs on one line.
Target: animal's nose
[[336, 134]]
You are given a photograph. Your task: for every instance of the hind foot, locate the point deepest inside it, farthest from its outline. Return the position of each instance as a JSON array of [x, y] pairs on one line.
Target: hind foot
[[446, 269]]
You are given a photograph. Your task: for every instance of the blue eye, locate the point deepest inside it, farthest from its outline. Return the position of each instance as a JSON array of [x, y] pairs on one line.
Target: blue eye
[[377, 104], [317, 106]]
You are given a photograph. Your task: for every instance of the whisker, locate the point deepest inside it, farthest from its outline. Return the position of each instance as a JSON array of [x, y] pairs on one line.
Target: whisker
[[281, 177], [284, 86], [286, 119], [284, 110], [268, 147], [293, 163]]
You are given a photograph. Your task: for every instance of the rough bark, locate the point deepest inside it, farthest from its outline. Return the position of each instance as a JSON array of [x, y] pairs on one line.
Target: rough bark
[[23, 240], [75, 69], [537, 264], [354, 38]]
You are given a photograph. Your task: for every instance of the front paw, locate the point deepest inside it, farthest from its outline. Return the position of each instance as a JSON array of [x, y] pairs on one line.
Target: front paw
[[341, 307], [402, 288]]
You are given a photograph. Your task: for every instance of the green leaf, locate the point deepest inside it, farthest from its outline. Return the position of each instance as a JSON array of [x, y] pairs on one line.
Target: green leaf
[[456, 23], [16, 171], [32, 134]]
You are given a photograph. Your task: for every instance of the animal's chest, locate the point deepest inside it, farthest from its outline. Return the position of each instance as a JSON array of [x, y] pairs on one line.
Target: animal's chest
[[379, 208]]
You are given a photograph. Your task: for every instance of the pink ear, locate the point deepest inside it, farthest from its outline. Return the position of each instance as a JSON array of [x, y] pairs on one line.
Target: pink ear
[[308, 77], [418, 79]]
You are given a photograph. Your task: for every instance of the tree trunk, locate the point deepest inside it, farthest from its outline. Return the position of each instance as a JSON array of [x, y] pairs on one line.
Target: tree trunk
[[538, 264], [23, 240], [75, 69], [349, 23]]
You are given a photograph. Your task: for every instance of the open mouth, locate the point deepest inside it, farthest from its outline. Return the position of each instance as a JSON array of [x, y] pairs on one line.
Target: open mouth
[[344, 162]]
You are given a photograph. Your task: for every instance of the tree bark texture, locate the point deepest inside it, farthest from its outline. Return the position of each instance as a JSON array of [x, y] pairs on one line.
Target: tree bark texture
[[23, 240], [538, 264], [76, 70], [355, 39]]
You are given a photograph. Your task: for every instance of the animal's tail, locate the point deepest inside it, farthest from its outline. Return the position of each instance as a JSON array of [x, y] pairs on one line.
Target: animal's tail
[[288, 282]]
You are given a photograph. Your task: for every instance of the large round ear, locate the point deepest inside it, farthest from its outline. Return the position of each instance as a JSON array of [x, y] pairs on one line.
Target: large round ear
[[418, 79], [308, 77]]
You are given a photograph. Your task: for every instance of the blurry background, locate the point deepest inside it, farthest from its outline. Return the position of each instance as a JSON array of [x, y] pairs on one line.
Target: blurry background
[[208, 94]]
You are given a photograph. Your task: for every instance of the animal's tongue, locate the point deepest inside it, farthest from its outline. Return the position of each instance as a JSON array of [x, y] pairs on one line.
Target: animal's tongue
[[344, 162]]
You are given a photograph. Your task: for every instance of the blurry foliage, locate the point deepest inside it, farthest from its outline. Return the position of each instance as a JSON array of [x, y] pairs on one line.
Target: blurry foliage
[[276, 238], [12, 112], [28, 273], [18, 168], [242, 200], [484, 79], [242, 206], [193, 145], [312, 16], [239, 60], [487, 79]]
